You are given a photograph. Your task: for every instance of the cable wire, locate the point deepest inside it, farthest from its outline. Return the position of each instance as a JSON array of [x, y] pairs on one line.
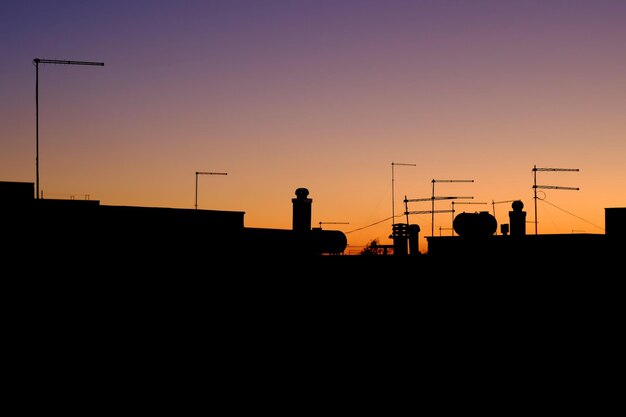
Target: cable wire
[[369, 225], [374, 224], [571, 214]]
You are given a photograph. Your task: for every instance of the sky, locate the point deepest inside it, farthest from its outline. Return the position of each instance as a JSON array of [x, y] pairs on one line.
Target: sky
[[323, 95]]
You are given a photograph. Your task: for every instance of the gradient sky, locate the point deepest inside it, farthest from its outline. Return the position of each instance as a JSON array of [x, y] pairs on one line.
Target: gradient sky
[[323, 95]]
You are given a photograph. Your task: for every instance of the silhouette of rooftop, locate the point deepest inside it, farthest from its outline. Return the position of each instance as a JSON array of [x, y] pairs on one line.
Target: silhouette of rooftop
[[88, 232]]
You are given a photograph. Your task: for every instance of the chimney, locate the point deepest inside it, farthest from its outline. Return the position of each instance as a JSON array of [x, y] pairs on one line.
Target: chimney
[[400, 237], [301, 211], [414, 234], [517, 219]]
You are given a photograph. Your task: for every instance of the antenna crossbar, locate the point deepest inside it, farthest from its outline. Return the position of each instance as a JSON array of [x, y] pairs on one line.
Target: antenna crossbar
[[555, 187]]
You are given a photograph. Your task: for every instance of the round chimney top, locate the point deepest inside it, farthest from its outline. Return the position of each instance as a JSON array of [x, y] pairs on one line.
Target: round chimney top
[[302, 193], [517, 205]]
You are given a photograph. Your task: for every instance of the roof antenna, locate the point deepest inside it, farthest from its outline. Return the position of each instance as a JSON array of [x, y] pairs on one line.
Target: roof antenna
[[553, 187]]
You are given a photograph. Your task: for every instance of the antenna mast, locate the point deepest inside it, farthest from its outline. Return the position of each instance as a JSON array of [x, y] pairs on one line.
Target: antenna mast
[[493, 205], [38, 61], [321, 223], [432, 233], [205, 173], [393, 208], [552, 187]]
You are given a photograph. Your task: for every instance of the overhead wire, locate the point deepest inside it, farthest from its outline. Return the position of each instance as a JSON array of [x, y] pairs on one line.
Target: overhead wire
[[369, 225], [572, 214], [375, 223]]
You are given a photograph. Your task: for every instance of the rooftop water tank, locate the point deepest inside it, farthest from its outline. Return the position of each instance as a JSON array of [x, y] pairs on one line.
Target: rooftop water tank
[[481, 224]]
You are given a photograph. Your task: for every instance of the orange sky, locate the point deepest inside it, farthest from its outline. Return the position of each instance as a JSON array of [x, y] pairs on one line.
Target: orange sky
[[323, 95]]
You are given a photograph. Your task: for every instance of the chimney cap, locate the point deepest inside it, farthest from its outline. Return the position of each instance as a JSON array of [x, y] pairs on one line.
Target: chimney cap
[[302, 193]]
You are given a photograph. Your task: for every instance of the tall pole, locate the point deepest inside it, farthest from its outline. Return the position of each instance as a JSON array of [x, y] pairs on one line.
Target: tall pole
[[36, 61], [553, 187], [535, 192], [493, 205], [37, 124], [451, 223], [433, 198], [393, 202], [406, 209], [205, 173], [432, 210]]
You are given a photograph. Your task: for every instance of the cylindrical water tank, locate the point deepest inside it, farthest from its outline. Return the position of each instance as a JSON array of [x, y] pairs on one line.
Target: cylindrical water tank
[[480, 224]]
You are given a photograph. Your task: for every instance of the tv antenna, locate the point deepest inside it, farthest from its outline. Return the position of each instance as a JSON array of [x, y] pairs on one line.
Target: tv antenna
[[552, 187], [407, 212], [433, 200], [445, 228], [493, 205], [38, 61], [205, 173], [393, 208], [321, 223]]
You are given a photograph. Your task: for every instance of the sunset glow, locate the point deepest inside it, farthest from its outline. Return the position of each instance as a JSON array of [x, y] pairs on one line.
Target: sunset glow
[[323, 95]]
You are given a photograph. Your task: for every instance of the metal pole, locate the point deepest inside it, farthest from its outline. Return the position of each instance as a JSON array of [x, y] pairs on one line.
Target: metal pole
[[196, 191], [205, 173], [432, 209], [393, 208], [553, 187], [48, 61], [535, 188], [452, 220], [37, 124], [432, 233], [406, 209]]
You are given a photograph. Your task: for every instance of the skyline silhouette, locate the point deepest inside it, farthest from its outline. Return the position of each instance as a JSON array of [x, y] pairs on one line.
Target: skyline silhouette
[[88, 231], [323, 94]]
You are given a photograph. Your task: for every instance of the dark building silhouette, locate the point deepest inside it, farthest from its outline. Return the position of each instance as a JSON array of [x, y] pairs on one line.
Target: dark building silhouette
[[89, 229], [477, 243], [615, 222], [41, 233], [405, 240]]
